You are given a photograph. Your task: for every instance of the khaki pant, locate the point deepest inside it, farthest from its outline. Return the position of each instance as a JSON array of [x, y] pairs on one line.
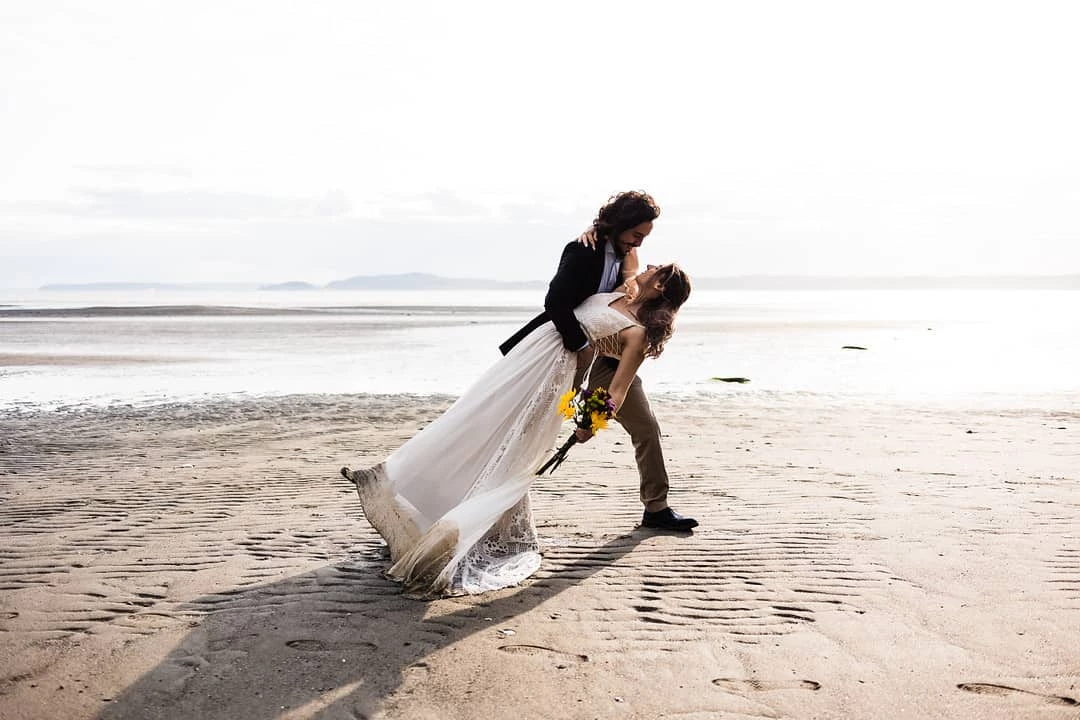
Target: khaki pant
[[637, 418]]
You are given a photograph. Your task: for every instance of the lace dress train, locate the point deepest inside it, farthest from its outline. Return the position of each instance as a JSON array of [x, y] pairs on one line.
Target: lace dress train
[[452, 503]]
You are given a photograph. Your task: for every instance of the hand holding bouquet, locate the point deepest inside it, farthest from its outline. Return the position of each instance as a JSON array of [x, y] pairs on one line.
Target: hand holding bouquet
[[589, 412]]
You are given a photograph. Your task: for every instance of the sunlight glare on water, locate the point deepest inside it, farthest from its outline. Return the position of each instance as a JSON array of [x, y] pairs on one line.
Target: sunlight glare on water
[[917, 345]]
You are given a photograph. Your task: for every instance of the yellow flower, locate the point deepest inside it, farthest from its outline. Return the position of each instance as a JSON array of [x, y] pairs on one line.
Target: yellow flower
[[565, 408], [599, 421]]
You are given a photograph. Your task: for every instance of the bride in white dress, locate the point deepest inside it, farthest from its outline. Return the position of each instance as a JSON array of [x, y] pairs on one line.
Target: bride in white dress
[[452, 503]]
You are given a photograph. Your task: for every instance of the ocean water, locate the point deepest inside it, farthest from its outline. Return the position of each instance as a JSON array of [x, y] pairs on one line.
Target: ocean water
[[70, 349]]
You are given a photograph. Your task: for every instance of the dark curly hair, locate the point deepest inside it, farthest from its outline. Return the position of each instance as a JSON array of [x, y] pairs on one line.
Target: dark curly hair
[[658, 314], [624, 211]]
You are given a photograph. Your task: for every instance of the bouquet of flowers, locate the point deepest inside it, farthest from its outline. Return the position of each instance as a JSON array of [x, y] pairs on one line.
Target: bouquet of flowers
[[589, 412]]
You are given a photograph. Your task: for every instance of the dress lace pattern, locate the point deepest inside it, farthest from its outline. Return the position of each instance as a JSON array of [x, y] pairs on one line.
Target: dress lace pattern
[[453, 502]]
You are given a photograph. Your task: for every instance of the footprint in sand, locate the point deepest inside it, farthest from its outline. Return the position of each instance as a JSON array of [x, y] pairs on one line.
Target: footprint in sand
[[734, 685], [414, 675], [541, 650], [309, 645], [1002, 690]]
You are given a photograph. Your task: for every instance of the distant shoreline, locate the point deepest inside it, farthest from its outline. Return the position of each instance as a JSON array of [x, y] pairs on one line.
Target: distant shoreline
[[435, 312], [423, 282]]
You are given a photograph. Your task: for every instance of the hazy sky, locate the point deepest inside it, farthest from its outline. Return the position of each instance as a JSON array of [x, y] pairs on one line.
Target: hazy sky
[[272, 141]]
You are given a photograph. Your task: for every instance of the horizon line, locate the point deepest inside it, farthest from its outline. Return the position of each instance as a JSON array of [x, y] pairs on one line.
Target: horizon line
[[1059, 281]]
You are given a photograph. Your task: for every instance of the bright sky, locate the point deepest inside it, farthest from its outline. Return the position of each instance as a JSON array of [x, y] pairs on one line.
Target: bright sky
[[270, 141]]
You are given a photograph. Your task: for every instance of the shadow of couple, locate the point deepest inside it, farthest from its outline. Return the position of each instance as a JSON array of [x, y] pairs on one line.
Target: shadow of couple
[[334, 642]]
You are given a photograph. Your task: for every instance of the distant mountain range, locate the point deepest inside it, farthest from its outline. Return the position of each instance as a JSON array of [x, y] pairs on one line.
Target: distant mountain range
[[406, 281], [424, 281], [142, 286]]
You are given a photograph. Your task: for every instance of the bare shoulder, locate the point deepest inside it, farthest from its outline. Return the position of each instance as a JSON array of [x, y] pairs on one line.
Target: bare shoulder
[[632, 335]]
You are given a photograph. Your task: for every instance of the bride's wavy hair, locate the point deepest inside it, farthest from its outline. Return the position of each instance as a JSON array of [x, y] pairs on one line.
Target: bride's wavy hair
[[658, 314], [624, 211]]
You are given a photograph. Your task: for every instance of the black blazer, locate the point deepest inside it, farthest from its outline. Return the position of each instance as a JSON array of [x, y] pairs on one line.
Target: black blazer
[[578, 276]]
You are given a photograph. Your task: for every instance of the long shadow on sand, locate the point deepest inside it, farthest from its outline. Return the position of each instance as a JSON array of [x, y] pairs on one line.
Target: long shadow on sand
[[333, 643]]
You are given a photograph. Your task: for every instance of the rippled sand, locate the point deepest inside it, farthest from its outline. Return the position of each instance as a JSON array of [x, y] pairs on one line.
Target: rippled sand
[[206, 561]]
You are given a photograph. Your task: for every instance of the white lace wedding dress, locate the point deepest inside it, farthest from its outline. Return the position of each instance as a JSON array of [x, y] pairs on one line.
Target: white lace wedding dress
[[453, 502]]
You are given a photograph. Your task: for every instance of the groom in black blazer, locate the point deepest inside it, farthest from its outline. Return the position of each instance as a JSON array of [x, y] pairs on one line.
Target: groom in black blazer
[[579, 275], [621, 226]]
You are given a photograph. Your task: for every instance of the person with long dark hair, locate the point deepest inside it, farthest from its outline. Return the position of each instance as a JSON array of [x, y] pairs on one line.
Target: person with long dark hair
[[602, 258], [452, 503]]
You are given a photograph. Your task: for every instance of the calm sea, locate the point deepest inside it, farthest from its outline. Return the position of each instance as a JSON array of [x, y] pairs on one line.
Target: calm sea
[[70, 349]]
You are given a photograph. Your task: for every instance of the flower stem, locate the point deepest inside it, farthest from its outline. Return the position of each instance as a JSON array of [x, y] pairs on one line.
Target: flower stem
[[560, 455]]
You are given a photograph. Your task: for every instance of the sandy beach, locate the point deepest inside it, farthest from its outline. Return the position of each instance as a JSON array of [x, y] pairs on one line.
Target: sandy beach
[[854, 560]]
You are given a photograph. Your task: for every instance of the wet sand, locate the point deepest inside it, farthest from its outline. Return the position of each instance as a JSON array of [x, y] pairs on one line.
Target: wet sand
[[57, 359], [853, 561]]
